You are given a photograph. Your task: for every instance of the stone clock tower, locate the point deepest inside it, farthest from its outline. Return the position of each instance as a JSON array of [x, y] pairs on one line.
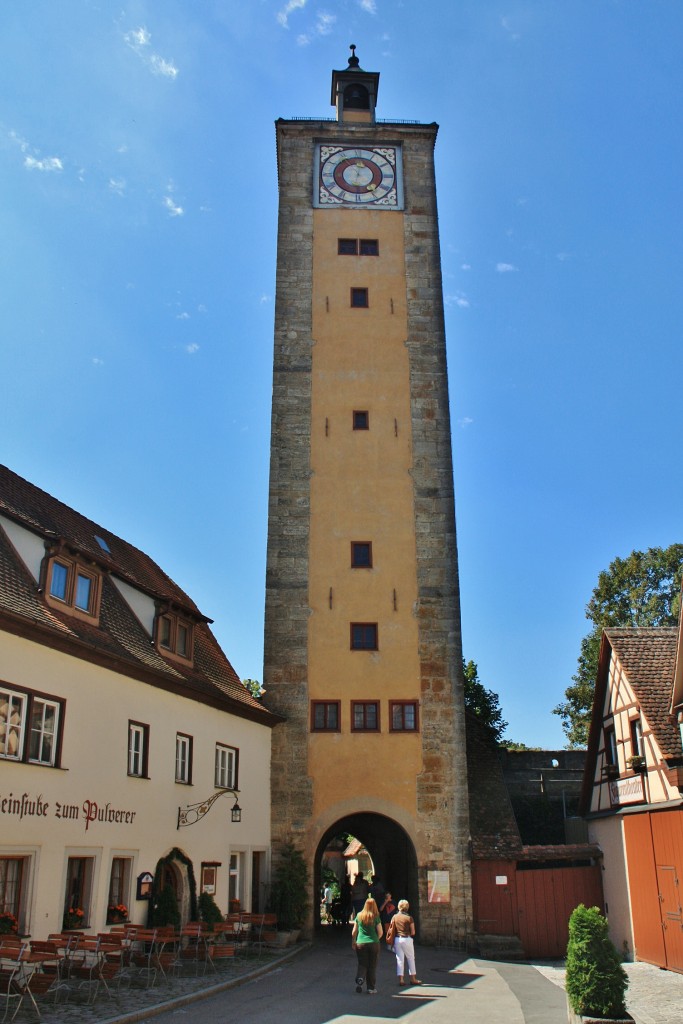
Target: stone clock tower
[[362, 635]]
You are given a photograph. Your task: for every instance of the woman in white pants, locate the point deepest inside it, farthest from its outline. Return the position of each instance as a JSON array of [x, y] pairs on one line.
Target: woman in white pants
[[404, 933]]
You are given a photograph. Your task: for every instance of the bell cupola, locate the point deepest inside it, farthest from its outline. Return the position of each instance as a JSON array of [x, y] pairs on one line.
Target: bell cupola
[[354, 92]]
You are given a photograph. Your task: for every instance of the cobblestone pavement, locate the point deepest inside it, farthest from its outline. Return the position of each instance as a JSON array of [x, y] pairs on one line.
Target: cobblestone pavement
[[135, 1001], [653, 997]]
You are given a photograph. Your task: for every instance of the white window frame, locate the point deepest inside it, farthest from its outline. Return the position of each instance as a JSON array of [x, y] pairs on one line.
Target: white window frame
[[41, 705], [183, 758], [14, 701], [225, 776], [137, 752]]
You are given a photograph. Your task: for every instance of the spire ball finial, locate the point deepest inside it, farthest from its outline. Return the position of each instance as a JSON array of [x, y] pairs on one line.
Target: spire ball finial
[[353, 60]]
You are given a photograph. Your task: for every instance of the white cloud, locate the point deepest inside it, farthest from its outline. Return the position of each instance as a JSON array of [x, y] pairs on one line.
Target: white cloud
[[303, 40], [173, 209], [507, 25], [182, 316], [201, 308], [291, 5], [465, 422], [191, 349], [506, 268], [465, 266], [368, 5], [264, 299], [96, 361], [562, 256], [325, 23], [459, 299], [139, 39], [50, 163], [163, 67], [118, 186]]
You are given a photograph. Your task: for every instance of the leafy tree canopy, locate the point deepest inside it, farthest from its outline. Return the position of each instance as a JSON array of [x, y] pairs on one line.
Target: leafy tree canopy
[[483, 703], [640, 590], [254, 687]]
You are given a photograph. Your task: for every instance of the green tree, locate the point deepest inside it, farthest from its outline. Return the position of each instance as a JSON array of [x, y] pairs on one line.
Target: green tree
[[640, 590], [483, 703], [254, 687]]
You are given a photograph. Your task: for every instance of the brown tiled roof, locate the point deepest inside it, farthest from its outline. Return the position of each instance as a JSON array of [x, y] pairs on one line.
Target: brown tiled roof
[[39, 511], [648, 657], [119, 641], [493, 828]]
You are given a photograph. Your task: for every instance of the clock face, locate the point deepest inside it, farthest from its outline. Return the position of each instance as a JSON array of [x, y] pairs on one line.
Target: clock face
[[358, 176]]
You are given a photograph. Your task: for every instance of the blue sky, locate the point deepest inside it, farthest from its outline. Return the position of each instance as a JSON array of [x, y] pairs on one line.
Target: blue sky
[[137, 248]]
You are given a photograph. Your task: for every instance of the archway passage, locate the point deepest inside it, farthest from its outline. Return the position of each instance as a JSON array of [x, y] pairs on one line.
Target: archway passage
[[390, 848]]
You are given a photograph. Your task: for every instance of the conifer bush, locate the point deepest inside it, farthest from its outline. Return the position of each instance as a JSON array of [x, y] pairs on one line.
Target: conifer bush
[[596, 982]]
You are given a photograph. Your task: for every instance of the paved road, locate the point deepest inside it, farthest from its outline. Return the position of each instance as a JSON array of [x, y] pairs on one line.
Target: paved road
[[317, 987]]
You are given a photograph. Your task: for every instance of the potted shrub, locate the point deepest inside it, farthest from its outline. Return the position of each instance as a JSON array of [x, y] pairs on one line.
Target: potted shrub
[[289, 891], [595, 982], [636, 763], [164, 910], [611, 771], [209, 912]]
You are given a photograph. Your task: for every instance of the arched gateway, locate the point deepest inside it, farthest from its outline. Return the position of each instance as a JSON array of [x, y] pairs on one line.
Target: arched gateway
[[390, 847], [362, 637]]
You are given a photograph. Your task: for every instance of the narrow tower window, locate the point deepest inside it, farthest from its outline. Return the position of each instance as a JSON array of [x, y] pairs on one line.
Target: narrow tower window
[[359, 298], [361, 419]]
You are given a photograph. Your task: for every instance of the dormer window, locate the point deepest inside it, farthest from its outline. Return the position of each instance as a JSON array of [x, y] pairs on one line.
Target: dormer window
[[174, 635], [73, 587]]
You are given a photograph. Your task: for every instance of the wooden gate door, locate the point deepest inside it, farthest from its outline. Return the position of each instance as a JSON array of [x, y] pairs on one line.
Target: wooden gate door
[[546, 898], [643, 887], [667, 836]]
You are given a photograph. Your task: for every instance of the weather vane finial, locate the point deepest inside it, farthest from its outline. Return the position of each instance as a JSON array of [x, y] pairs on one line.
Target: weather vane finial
[[353, 60]]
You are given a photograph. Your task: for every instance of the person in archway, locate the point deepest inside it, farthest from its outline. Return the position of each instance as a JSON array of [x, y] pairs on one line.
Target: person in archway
[[404, 932], [346, 899], [365, 939], [377, 891], [359, 893], [386, 912]]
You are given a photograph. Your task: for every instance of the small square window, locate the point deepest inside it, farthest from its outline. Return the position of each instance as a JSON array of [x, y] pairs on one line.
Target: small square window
[[72, 588], [403, 715], [347, 246], [361, 554], [369, 247], [325, 716], [361, 419], [365, 716], [359, 298], [363, 636]]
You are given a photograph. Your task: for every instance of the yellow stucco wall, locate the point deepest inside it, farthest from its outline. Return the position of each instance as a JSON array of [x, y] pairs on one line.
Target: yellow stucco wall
[[360, 362]]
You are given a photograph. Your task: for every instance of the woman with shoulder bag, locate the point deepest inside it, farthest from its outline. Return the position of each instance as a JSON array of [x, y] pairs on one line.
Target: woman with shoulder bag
[[367, 932], [403, 927]]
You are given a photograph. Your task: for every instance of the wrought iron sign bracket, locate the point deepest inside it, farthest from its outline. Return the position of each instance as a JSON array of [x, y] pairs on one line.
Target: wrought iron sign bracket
[[193, 812]]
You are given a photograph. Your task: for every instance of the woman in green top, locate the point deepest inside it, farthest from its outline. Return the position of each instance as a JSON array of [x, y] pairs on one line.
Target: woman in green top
[[367, 931]]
